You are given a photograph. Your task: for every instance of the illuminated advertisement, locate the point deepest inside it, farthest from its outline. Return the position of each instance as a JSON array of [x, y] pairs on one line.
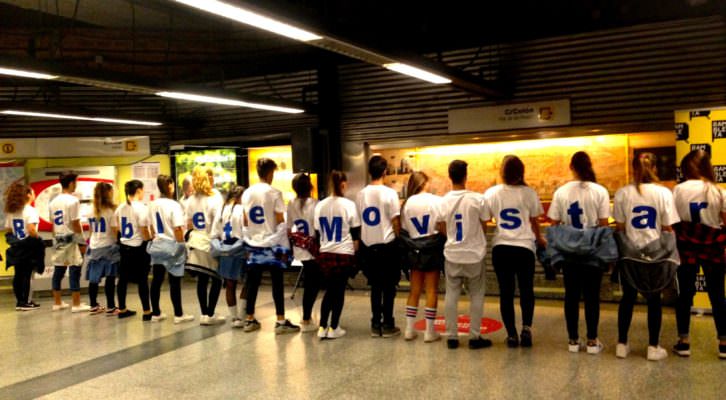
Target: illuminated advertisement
[[222, 161], [282, 155]]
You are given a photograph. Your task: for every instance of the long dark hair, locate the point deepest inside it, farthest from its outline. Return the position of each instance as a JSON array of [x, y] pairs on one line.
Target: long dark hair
[[16, 196], [131, 187], [303, 187], [697, 165], [336, 182], [582, 165], [164, 182], [513, 171], [644, 169]]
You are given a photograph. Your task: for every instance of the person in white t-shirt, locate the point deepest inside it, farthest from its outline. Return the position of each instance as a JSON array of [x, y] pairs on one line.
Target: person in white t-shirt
[[300, 223], [202, 210], [21, 219], [419, 222], [463, 219], [643, 210], [68, 243], [581, 204], [337, 224], [215, 193], [700, 201], [166, 218], [515, 208], [229, 229], [264, 211], [379, 210], [104, 231], [133, 221]]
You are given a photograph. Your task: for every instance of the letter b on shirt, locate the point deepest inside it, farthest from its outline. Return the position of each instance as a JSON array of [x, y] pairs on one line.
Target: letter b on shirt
[[19, 228], [127, 229]]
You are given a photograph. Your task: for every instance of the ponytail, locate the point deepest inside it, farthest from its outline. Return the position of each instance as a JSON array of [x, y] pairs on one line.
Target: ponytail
[[131, 187], [644, 169], [336, 182], [513, 171], [582, 166], [303, 187], [416, 183]]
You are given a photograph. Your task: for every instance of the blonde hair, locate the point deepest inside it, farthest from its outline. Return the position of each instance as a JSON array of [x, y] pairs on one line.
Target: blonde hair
[[200, 181], [644, 170]]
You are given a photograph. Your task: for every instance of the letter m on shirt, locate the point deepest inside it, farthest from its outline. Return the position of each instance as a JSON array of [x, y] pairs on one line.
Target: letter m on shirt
[[332, 230]]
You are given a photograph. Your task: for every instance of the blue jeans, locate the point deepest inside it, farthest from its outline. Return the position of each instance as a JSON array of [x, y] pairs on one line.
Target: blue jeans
[[74, 278]]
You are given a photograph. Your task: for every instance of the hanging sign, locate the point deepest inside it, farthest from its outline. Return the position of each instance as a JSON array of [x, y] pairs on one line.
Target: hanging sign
[[75, 147], [511, 116]]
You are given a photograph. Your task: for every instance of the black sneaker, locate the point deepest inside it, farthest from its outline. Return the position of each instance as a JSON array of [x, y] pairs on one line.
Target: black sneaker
[[24, 307], [525, 338], [389, 332], [251, 325], [512, 342], [127, 313], [146, 317], [34, 304], [479, 343], [285, 327], [682, 349], [452, 344], [376, 331]]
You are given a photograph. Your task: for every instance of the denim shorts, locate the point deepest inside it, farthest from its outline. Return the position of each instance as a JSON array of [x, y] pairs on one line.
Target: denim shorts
[[74, 277]]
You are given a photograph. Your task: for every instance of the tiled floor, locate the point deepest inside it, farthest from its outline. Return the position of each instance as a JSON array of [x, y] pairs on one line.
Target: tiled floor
[[64, 356]]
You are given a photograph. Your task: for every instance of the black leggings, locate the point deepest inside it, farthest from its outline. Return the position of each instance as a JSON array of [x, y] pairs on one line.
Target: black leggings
[[714, 274], [21, 284], [625, 314], [174, 291], [582, 280], [333, 300], [109, 289], [512, 262], [121, 288], [254, 278], [208, 300], [312, 287], [384, 273]]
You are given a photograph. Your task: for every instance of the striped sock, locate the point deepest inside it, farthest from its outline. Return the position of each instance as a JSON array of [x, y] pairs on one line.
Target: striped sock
[[411, 313], [430, 318]]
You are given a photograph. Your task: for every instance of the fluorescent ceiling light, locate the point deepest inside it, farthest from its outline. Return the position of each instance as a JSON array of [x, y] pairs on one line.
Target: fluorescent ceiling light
[[79, 118], [416, 73], [250, 18], [227, 102], [25, 74]]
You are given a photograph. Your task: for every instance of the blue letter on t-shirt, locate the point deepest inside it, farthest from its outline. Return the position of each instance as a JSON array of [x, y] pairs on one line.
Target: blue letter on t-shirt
[[332, 232], [510, 216], [198, 220], [459, 227], [646, 220], [257, 215], [58, 217], [422, 227], [302, 226], [19, 228], [127, 229], [372, 220], [575, 212], [696, 211]]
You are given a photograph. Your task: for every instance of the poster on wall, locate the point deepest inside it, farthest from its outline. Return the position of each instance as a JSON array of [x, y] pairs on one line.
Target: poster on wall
[[44, 182], [147, 172], [222, 161]]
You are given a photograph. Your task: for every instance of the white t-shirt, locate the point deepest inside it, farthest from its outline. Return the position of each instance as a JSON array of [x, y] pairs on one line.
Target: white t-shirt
[[420, 215], [165, 215], [230, 222], [132, 217], [700, 202], [512, 207], [64, 209], [261, 202], [644, 213], [18, 222], [301, 219], [333, 218], [463, 212], [580, 204], [203, 211], [377, 205], [102, 229]]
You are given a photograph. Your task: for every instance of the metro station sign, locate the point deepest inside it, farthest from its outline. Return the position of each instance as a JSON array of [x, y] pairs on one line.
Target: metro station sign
[[510, 116]]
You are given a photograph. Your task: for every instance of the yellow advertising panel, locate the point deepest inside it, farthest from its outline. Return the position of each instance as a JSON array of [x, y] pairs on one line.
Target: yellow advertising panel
[[282, 155], [703, 129]]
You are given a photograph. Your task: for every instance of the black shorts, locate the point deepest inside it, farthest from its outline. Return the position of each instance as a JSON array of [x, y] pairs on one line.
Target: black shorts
[[135, 263]]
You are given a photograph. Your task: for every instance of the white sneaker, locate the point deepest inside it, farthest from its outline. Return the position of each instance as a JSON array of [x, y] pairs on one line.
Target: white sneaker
[[574, 347], [430, 337], [61, 306], [205, 320], [183, 318], [309, 326], [410, 334], [238, 323], [595, 349], [81, 308], [322, 332], [336, 333], [622, 350], [158, 318], [656, 353], [217, 319]]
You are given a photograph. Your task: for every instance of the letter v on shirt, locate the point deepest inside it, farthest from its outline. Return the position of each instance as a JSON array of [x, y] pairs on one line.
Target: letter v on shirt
[[463, 212]]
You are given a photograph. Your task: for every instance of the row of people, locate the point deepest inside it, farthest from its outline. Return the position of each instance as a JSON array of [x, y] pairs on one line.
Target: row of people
[[247, 235]]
